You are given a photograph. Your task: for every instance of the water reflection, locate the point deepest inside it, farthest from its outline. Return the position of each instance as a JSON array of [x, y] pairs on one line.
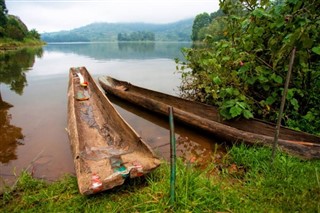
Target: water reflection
[[10, 135], [121, 50], [13, 65], [137, 47]]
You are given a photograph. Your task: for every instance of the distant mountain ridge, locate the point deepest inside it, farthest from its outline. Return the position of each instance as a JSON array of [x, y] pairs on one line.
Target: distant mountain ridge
[[177, 31]]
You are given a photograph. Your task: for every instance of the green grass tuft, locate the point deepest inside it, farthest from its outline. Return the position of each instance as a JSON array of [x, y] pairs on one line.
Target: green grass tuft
[[245, 182]]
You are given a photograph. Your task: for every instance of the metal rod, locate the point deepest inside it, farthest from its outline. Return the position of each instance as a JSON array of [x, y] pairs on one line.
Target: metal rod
[[172, 157], [283, 100]]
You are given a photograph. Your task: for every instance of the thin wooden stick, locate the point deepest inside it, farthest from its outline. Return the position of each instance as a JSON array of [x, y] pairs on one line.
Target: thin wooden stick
[[283, 100], [172, 157]]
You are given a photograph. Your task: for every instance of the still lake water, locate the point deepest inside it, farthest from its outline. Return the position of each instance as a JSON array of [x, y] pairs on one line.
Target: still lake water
[[33, 103]]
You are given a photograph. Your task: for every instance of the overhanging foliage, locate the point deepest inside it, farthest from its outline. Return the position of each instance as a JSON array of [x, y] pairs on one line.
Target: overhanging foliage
[[243, 73]]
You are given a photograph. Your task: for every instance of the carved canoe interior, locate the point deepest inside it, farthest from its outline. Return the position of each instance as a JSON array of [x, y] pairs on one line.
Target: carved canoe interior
[[106, 150]]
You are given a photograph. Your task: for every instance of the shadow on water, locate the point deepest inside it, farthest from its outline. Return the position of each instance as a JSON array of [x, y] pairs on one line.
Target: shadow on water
[[13, 68]]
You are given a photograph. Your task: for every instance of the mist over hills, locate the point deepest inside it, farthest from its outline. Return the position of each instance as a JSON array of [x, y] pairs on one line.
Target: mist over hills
[[177, 31]]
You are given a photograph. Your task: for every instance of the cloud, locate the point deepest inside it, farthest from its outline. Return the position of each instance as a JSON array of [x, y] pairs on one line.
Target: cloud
[[49, 15]]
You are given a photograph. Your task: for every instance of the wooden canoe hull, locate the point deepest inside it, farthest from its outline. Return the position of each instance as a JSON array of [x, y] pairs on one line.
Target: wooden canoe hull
[[106, 150], [207, 118]]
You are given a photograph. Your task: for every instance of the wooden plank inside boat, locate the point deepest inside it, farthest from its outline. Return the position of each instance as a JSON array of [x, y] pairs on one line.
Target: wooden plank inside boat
[[106, 150]]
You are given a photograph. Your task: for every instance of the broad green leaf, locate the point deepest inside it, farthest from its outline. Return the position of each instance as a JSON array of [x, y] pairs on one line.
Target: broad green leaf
[[316, 50], [309, 116], [245, 23], [242, 105], [278, 8], [258, 31], [248, 45], [229, 90], [244, 68], [235, 17], [297, 5], [264, 2], [235, 111], [290, 94], [295, 103], [214, 95], [225, 114], [266, 87], [207, 89], [306, 41], [247, 114], [225, 45], [259, 12], [236, 92], [225, 58], [279, 23], [252, 80], [259, 69], [262, 79], [229, 103], [278, 79], [242, 97], [217, 80], [270, 100], [300, 92], [213, 61], [288, 37], [234, 74]]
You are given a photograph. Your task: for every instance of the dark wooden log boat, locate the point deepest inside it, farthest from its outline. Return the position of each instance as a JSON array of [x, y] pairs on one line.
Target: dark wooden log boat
[[106, 150], [205, 117]]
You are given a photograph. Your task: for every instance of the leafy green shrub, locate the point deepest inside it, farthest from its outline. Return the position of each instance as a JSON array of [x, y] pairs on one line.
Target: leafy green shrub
[[244, 72], [34, 34], [15, 28]]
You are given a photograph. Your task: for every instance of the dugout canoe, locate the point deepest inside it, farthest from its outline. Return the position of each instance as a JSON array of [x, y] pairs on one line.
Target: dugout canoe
[[207, 118], [106, 150]]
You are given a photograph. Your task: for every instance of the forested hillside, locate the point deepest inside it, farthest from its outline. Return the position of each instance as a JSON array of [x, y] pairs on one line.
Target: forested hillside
[[178, 31], [13, 30]]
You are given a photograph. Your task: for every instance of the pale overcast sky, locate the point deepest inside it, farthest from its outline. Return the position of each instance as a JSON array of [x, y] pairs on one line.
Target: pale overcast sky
[[56, 15]]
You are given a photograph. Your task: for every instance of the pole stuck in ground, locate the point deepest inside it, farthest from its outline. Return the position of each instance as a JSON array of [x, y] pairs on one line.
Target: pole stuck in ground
[[283, 101], [172, 157]]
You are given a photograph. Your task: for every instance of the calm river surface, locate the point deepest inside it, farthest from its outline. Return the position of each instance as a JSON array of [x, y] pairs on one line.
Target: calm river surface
[[33, 103]]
